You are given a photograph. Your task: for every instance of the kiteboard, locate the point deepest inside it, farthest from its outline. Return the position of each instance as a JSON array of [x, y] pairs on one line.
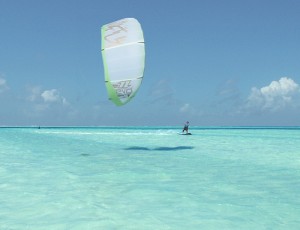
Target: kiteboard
[[184, 133]]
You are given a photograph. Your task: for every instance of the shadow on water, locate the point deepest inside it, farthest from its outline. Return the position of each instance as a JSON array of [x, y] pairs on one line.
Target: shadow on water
[[140, 148], [137, 148], [160, 148]]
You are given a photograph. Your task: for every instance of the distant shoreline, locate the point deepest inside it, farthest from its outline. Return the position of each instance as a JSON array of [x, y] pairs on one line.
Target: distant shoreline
[[152, 127]]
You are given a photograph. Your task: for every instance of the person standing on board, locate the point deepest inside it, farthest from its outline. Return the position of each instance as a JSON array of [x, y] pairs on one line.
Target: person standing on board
[[186, 127]]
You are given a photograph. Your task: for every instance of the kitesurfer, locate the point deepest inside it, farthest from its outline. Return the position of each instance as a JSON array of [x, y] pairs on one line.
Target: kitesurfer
[[186, 127]]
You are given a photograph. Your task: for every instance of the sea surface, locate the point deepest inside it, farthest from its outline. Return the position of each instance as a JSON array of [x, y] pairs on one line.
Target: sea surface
[[150, 178]]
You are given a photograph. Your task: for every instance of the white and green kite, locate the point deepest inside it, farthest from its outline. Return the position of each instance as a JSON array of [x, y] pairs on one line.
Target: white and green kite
[[123, 53]]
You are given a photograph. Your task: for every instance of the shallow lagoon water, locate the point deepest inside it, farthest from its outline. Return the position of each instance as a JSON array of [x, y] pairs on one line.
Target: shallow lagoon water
[[149, 178]]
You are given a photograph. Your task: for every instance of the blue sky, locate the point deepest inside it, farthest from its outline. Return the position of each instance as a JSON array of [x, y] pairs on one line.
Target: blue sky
[[211, 62]]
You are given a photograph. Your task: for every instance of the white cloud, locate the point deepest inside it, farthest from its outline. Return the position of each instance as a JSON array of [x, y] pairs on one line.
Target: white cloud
[[186, 107], [48, 105], [277, 95], [43, 98], [51, 95], [3, 85], [48, 96]]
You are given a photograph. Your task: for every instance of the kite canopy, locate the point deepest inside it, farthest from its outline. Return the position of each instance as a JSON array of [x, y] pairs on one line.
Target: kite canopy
[[123, 53]]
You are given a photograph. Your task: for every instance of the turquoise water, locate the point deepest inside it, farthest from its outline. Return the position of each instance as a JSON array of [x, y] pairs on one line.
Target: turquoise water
[[149, 178]]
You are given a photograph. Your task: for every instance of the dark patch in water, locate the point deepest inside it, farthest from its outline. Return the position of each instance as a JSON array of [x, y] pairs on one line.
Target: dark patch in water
[[173, 148], [137, 148], [85, 154], [160, 148]]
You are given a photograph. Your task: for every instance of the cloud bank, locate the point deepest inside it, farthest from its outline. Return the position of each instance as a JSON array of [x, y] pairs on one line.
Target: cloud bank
[[36, 94], [276, 96], [53, 95], [43, 100]]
